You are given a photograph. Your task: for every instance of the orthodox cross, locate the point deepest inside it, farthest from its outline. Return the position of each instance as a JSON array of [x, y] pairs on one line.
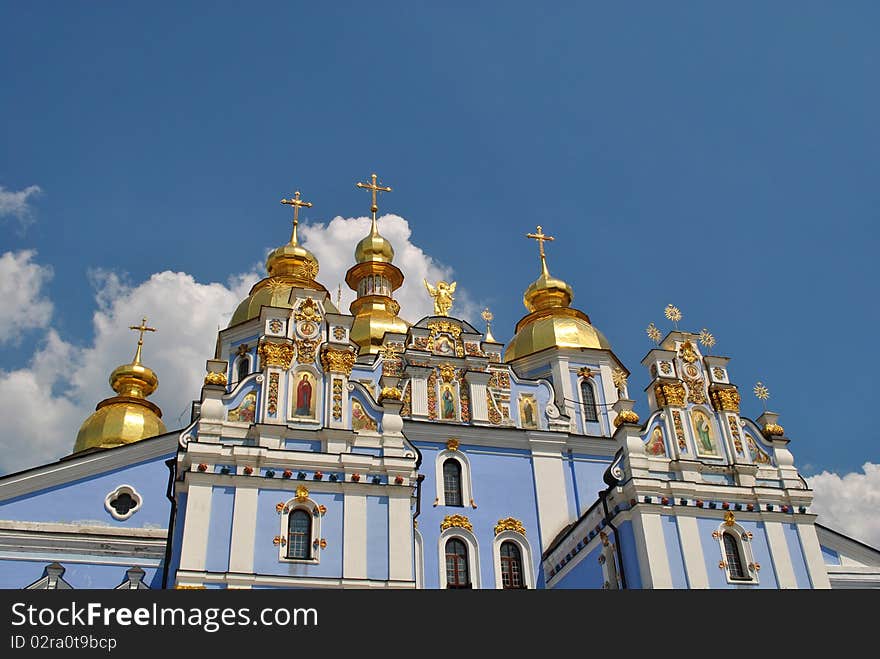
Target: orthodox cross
[[374, 188], [541, 237], [140, 328], [297, 203]]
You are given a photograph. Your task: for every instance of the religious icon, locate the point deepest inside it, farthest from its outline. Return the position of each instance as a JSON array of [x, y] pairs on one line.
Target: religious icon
[[360, 420], [703, 432], [527, 411], [447, 402], [246, 409], [444, 346], [655, 445], [303, 395], [442, 295]]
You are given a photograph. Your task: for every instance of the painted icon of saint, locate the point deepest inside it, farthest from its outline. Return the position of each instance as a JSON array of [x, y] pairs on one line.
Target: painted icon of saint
[[303, 397], [655, 445], [448, 403], [704, 432]]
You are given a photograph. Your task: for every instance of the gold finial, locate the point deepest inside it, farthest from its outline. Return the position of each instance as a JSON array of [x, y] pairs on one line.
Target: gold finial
[[140, 328], [374, 188], [297, 203], [618, 377], [442, 295], [762, 393], [541, 237], [706, 339], [488, 316], [653, 333], [673, 313]]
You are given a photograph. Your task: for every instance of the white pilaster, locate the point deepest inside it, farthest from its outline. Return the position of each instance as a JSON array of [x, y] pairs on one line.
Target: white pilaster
[[400, 538], [653, 557], [813, 555], [564, 392], [692, 550], [194, 546], [549, 476], [354, 537], [780, 555], [477, 381], [419, 397], [244, 522]]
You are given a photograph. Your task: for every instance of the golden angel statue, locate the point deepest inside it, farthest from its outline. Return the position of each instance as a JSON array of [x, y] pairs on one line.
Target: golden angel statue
[[442, 295]]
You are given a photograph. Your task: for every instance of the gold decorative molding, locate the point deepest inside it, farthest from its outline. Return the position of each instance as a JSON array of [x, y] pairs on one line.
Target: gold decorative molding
[[182, 587], [696, 393], [444, 326], [302, 493], [510, 524], [452, 444], [278, 355], [456, 521], [687, 352], [729, 518], [337, 361], [216, 379], [308, 310], [305, 351], [618, 377], [626, 416], [725, 400], [773, 430], [586, 372], [392, 393], [669, 393], [447, 372]]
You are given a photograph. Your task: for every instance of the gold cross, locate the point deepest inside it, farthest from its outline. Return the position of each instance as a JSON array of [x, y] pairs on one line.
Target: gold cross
[[540, 237], [297, 203], [375, 189], [140, 328]]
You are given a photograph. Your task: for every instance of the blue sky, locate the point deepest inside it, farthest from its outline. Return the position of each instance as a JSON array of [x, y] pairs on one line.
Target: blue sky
[[723, 158]]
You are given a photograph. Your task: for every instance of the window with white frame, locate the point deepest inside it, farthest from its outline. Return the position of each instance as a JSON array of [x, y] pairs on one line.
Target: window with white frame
[[588, 399], [459, 559], [300, 538], [454, 484], [737, 560], [513, 561]]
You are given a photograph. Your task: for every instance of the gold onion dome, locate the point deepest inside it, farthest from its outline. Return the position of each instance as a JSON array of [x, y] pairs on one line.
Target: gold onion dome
[[127, 417], [375, 278], [288, 266], [551, 321]]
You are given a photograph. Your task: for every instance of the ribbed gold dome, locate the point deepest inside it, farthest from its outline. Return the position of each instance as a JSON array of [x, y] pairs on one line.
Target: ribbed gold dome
[[374, 248], [128, 417], [551, 322], [290, 265]]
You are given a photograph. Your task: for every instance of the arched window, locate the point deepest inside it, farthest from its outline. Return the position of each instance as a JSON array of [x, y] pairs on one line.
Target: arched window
[[452, 482], [243, 368], [457, 575], [588, 397], [733, 558], [511, 566], [299, 535]]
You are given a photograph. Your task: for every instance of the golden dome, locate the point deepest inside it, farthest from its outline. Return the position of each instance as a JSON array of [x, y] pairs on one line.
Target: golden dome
[[128, 417], [374, 247], [289, 266], [551, 322]]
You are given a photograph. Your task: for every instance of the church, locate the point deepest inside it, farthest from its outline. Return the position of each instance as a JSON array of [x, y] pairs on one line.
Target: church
[[355, 449]]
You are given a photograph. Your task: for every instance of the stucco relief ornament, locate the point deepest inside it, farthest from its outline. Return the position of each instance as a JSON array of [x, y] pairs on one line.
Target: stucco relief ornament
[[452, 444], [278, 355], [510, 524], [216, 379], [302, 493], [447, 372], [687, 352], [456, 521], [618, 377]]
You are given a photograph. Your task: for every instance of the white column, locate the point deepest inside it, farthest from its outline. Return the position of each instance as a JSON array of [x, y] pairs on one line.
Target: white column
[[653, 558], [194, 546], [400, 538], [354, 537], [549, 476], [692, 550], [244, 522], [780, 555], [813, 555], [477, 381]]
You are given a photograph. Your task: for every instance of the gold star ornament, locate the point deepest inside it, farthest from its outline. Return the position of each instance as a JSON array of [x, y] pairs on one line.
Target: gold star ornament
[[653, 333]]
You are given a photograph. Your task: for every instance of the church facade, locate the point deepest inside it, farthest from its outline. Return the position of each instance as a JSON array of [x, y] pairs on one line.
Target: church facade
[[357, 450]]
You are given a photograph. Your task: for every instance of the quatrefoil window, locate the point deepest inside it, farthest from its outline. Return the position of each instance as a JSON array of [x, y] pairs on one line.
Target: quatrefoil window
[[123, 502]]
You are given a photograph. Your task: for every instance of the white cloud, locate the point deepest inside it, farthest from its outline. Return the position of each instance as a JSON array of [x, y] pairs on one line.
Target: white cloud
[[849, 503], [334, 243], [21, 289], [15, 204], [44, 404]]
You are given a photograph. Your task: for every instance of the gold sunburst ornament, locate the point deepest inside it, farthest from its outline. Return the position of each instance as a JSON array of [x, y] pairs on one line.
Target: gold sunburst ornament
[[618, 377], [762, 393], [706, 339], [653, 333], [672, 313]]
